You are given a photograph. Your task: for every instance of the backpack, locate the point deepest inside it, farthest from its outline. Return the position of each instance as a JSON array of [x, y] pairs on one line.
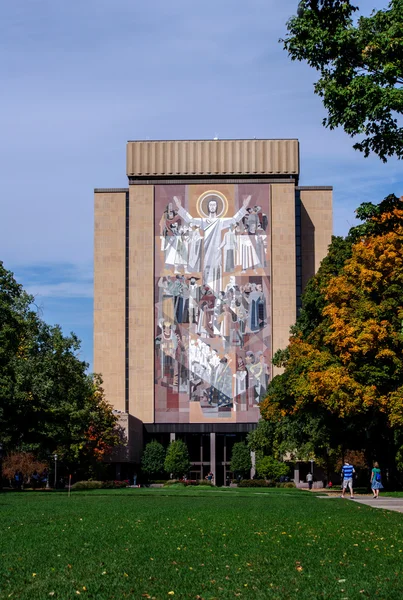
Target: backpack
[[378, 477]]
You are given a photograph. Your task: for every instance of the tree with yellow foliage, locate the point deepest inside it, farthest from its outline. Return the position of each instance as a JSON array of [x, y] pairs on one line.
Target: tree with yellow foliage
[[343, 368]]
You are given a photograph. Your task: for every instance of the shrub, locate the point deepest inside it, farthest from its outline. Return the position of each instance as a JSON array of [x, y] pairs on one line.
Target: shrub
[[115, 485], [254, 483], [286, 484], [99, 485], [163, 481], [270, 468], [174, 483], [87, 485], [186, 482]]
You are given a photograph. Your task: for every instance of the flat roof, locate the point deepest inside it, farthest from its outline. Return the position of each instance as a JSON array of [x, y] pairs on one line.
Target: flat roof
[[166, 158]]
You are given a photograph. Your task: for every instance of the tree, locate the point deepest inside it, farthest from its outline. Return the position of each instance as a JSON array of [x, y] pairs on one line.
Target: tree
[[360, 66], [261, 439], [268, 467], [177, 459], [153, 458], [24, 462], [240, 460], [342, 379], [15, 319], [48, 401]]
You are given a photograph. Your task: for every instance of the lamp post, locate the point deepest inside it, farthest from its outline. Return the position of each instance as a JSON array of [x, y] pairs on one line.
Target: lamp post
[[1, 466], [55, 457]]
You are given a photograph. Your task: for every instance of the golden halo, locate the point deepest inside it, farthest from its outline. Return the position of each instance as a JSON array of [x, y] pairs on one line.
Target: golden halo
[[204, 199]]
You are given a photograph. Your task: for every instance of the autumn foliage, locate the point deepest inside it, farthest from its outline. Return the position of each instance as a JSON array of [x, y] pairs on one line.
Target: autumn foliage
[[24, 462], [349, 366]]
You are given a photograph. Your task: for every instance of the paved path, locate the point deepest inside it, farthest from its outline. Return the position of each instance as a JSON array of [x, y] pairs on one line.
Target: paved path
[[386, 502], [395, 504]]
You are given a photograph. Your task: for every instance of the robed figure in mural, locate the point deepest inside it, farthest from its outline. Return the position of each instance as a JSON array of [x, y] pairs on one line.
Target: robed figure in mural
[[213, 225]]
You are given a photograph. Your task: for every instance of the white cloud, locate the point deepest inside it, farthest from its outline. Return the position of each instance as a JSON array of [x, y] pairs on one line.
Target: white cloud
[[61, 290]]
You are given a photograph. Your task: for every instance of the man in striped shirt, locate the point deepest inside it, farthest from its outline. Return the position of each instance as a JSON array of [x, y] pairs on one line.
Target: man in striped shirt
[[347, 471]]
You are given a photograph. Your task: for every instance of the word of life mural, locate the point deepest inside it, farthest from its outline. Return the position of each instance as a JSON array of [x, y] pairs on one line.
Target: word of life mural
[[212, 302]]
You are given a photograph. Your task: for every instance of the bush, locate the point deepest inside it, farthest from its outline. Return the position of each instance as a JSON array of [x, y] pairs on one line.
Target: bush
[[99, 485], [187, 482], [163, 481], [254, 483], [174, 483], [115, 485], [270, 468], [87, 485], [196, 482], [286, 484]]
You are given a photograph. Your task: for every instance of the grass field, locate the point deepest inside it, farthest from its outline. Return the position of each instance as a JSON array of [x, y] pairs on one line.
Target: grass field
[[197, 543]]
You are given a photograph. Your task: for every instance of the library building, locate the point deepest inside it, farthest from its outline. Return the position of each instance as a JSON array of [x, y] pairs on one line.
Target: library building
[[199, 267]]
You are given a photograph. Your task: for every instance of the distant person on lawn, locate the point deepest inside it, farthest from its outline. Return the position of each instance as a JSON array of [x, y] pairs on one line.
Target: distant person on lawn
[[210, 477], [376, 480], [348, 472], [309, 479]]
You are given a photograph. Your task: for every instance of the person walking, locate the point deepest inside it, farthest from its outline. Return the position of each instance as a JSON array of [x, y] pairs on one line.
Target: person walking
[[309, 479], [348, 472], [376, 480]]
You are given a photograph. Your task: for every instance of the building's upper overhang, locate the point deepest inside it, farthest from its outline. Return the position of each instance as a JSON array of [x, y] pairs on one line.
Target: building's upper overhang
[[203, 158]]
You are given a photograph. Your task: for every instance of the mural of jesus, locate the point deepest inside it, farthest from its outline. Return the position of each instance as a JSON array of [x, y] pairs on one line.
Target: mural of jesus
[[213, 226]]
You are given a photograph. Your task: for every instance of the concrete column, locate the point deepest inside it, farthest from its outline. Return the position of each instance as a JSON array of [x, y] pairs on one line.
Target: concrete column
[[212, 456], [296, 473], [171, 437], [253, 469]]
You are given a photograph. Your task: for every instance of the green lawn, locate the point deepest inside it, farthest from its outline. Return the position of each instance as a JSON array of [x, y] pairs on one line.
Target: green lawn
[[197, 543]]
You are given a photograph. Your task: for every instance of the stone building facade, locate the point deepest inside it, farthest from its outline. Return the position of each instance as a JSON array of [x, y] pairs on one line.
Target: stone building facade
[[199, 268]]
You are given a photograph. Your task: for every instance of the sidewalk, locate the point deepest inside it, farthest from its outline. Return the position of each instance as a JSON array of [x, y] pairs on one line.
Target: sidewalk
[[395, 504]]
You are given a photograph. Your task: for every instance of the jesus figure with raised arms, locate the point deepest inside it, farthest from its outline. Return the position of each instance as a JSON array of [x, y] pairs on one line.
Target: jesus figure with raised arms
[[213, 227]]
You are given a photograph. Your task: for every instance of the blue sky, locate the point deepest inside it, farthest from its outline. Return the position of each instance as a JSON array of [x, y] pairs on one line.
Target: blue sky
[[81, 78]]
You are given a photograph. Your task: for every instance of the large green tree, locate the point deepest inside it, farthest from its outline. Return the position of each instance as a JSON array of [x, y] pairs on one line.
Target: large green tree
[[343, 369], [177, 459], [152, 461], [361, 69], [241, 462], [48, 402], [16, 317]]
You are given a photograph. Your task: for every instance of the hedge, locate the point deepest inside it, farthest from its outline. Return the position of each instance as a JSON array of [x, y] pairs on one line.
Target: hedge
[[255, 483], [98, 485]]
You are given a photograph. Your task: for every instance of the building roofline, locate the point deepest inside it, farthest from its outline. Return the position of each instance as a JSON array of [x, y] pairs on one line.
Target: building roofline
[[216, 140], [314, 187], [110, 190]]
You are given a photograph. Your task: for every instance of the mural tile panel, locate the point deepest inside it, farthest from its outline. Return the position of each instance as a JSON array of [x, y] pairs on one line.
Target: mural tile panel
[[212, 301]]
